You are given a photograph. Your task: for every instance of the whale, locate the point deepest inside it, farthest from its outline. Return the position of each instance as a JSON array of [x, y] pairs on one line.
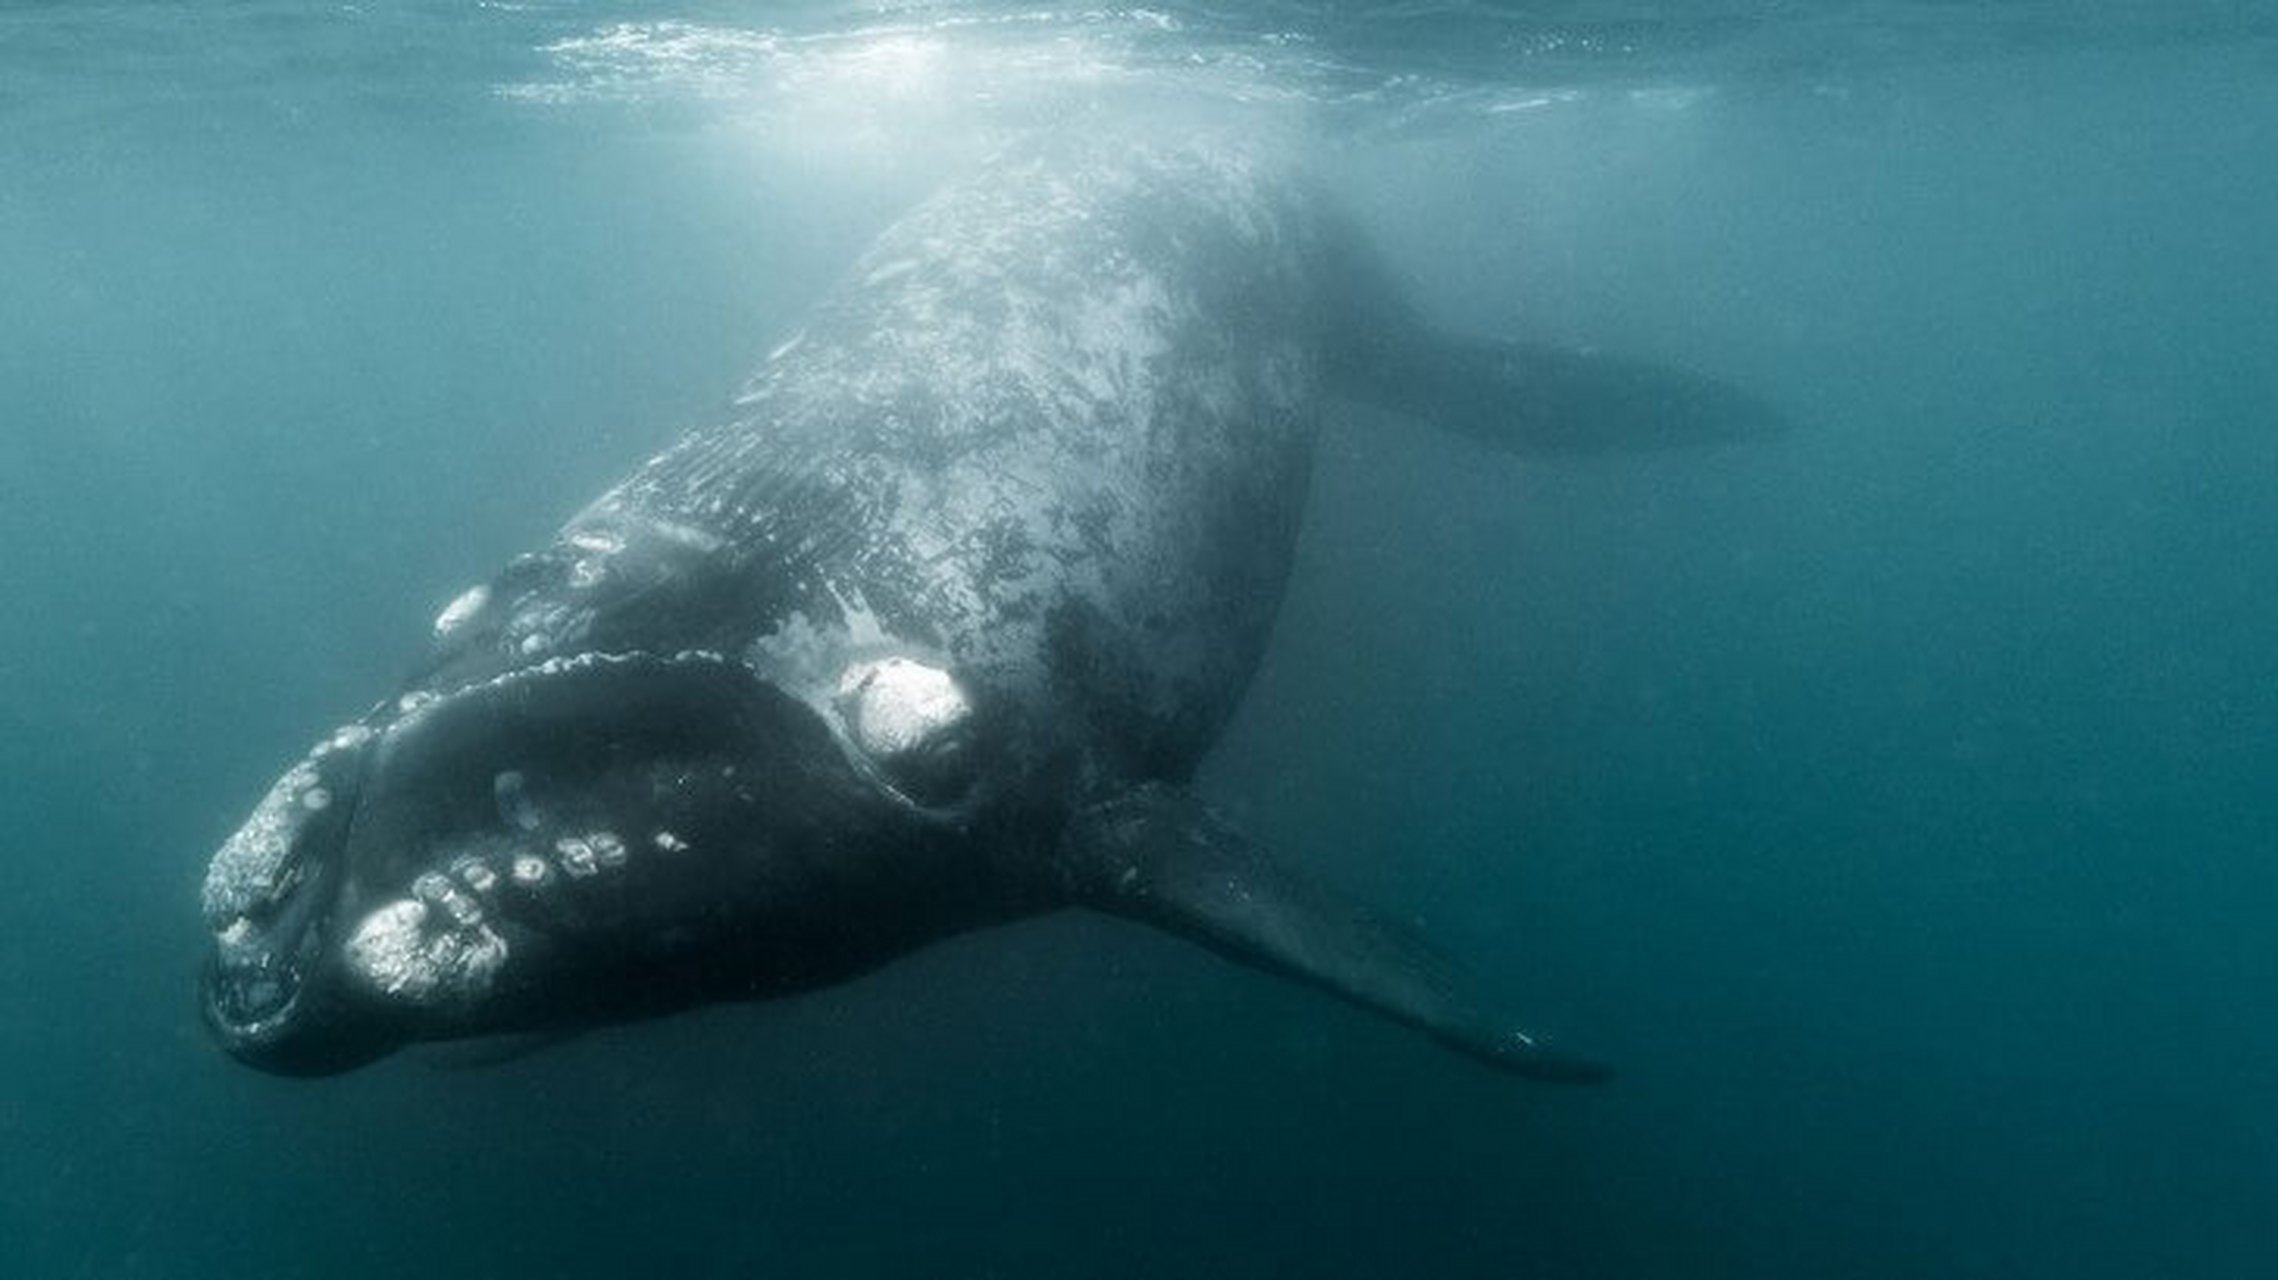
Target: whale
[[925, 633]]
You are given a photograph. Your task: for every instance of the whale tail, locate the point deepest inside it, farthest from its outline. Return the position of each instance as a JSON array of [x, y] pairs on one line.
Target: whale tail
[[1542, 399], [1528, 397], [1160, 857]]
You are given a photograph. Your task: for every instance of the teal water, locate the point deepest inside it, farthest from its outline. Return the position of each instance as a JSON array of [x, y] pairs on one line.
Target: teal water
[[1893, 802]]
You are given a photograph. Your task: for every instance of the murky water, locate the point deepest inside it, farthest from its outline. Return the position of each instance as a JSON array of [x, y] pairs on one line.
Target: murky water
[[1892, 801]]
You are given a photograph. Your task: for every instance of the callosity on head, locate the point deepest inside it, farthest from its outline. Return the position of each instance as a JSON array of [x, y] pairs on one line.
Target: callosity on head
[[579, 838]]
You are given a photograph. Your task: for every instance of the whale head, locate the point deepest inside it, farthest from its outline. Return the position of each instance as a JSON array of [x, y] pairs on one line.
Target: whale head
[[566, 841]]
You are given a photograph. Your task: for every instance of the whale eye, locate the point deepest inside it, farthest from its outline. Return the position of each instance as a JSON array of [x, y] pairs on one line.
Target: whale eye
[[913, 723]]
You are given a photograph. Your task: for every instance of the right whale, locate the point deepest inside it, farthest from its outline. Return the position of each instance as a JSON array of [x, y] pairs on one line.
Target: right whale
[[928, 634]]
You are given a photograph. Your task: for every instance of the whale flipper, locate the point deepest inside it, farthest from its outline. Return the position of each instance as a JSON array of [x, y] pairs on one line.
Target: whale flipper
[[1158, 856]]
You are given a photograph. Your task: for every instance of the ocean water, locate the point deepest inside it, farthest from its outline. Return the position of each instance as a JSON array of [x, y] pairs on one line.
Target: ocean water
[[1895, 802]]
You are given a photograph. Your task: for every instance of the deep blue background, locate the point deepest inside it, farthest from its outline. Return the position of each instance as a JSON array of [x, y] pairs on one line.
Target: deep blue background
[[1893, 802]]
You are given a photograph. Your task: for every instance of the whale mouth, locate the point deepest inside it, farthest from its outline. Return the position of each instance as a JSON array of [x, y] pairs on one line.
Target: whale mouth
[[270, 1015], [442, 866], [267, 896], [254, 991], [256, 977], [266, 996]]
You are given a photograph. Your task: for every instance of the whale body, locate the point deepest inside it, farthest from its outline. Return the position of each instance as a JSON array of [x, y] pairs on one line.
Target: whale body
[[928, 633]]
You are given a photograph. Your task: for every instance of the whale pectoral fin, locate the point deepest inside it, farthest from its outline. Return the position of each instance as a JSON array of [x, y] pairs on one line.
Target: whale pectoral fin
[[1537, 398], [1158, 856]]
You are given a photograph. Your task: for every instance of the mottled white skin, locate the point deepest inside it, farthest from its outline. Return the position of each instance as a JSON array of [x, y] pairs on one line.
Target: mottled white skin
[[1051, 434]]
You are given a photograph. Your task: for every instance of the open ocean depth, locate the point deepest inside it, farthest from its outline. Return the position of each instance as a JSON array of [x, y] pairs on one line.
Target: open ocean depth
[[1894, 803]]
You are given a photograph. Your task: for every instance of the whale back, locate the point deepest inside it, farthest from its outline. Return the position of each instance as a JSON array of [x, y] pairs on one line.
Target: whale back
[[1051, 432]]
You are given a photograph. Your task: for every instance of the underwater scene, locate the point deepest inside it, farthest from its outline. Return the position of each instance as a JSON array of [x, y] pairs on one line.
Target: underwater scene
[[1483, 640]]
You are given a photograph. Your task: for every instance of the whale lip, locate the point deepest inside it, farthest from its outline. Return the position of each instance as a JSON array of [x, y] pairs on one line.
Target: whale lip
[[249, 995], [271, 1009], [266, 996], [268, 896]]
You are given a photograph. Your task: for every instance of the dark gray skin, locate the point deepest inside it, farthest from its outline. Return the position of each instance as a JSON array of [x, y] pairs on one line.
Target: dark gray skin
[[927, 636]]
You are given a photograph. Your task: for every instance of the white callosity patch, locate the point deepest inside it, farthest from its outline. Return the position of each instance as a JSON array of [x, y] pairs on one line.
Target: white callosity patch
[[897, 706], [576, 855], [249, 864], [476, 874], [455, 614], [909, 726], [588, 855], [252, 865], [418, 953], [443, 892]]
